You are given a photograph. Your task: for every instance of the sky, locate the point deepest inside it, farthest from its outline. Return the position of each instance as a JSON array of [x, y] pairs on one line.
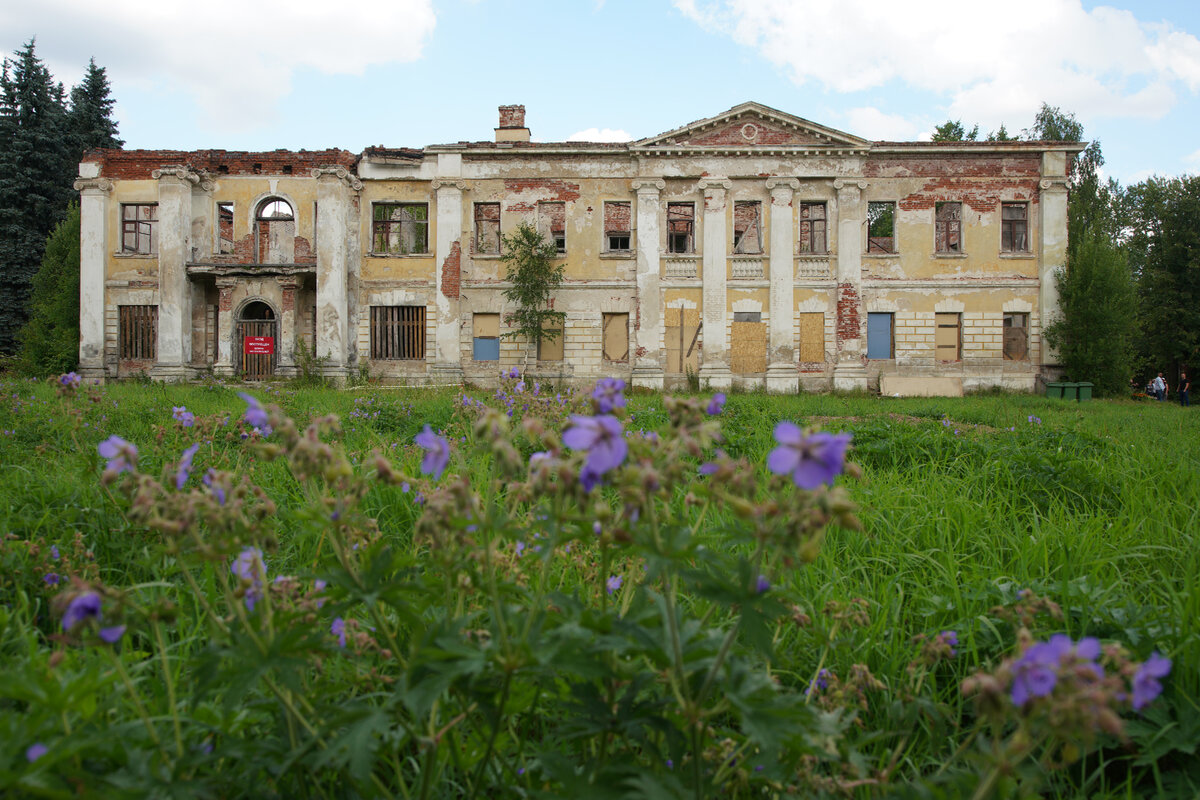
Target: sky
[[264, 74]]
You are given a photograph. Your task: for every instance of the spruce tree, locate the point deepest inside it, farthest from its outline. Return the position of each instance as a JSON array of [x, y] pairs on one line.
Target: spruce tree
[[50, 340], [92, 124], [37, 166]]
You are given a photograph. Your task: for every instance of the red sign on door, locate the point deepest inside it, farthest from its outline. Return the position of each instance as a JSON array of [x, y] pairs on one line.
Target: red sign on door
[[259, 345]]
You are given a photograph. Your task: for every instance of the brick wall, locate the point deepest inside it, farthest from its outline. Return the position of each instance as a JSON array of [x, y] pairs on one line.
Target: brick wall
[[139, 164]]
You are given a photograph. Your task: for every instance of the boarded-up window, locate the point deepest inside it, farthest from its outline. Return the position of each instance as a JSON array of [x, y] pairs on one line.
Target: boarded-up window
[[881, 227], [682, 340], [748, 340], [487, 228], [948, 227], [681, 218], [400, 228], [487, 337], [137, 338], [1014, 221], [747, 227], [879, 335], [552, 224], [398, 333], [946, 337], [550, 346], [812, 336], [812, 228], [139, 229], [224, 227], [1016, 337], [615, 336], [617, 228]]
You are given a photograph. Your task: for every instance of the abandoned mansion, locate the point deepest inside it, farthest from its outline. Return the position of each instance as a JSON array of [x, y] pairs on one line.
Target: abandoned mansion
[[752, 248]]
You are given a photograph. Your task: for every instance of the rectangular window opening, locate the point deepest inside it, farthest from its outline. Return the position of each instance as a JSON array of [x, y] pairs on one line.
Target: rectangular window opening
[[947, 336], [615, 337], [812, 337], [812, 228], [225, 228], [487, 228], [1014, 227], [1016, 336], [748, 343], [747, 226], [400, 229], [681, 218], [681, 336], [617, 226], [948, 227], [137, 336], [552, 224], [139, 229], [486, 337], [879, 335], [881, 227], [398, 333], [550, 346]]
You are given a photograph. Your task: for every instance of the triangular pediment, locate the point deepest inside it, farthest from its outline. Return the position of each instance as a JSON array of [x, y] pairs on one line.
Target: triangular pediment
[[752, 126]]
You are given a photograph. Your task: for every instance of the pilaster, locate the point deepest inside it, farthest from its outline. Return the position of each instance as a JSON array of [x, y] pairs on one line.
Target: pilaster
[[223, 366], [782, 373], [93, 253], [174, 247], [714, 368], [335, 186], [287, 327], [850, 372], [447, 365], [1053, 227], [648, 366]]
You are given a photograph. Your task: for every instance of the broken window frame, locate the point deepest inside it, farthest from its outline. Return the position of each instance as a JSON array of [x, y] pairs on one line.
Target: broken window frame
[[743, 242], [1014, 231], [814, 231], [881, 216], [393, 232], [1011, 339], [681, 229], [618, 240], [142, 226], [947, 227], [487, 230], [225, 217], [264, 219], [546, 224]]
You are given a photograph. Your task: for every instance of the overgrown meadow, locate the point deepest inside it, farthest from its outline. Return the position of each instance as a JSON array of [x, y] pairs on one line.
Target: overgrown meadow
[[304, 592]]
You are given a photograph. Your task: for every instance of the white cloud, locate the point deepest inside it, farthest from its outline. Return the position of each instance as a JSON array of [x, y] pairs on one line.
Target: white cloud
[[871, 123], [600, 135], [1193, 158], [236, 60], [992, 65]]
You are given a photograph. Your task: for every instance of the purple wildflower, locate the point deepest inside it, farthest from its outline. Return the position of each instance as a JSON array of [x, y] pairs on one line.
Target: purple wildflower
[[249, 568], [437, 452], [811, 460], [35, 751], [614, 583], [122, 456], [762, 584], [708, 468], [184, 471], [607, 395], [71, 380], [82, 607], [819, 683], [1146, 685], [338, 629], [54, 555], [183, 416], [950, 638], [1035, 674], [520, 387], [112, 635], [218, 491], [514, 373], [51, 578], [716, 405], [601, 438], [255, 416], [1034, 420]]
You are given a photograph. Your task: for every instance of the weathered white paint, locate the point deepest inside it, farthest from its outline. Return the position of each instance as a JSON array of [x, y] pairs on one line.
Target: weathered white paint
[[648, 367], [447, 366], [333, 230], [782, 374], [714, 368], [1053, 205], [849, 374], [174, 234], [922, 386], [93, 251]]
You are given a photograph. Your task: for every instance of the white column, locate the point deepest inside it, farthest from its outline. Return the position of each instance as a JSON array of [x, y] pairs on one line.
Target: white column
[[174, 249], [850, 372], [714, 370], [782, 373], [224, 362], [1053, 247], [93, 253], [334, 185], [648, 367], [447, 365]]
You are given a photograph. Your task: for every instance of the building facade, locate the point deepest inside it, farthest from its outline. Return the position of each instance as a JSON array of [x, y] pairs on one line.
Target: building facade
[[752, 248]]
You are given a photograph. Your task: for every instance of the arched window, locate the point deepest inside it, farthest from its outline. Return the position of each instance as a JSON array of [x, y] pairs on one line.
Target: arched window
[[275, 228]]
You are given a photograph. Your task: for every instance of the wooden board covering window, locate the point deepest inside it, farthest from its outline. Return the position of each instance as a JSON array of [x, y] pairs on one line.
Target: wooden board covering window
[[137, 337], [615, 329], [550, 348], [398, 333], [1016, 337], [812, 336], [946, 338], [748, 345], [682, 340]]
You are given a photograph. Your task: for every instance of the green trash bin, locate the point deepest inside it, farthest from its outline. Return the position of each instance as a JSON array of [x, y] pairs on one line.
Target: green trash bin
[[1054, 390], [1070, 391], [1085, 391]]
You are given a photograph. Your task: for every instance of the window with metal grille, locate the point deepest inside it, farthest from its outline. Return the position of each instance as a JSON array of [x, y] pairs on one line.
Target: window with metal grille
[[747, 226], [487, 228], [1014, 227], [881, 227], [139, 224], [681, 218], [552, 224], [400, 229], [398, 333], [1016, 337], [947, 336], [947, 227], [617, 227], [137, 337], [812, 228]]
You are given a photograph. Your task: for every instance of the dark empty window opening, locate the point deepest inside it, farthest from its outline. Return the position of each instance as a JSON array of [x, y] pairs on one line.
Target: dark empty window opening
[[257, 169], [881, 227], [487, 228], [223, 169], [224, 227], [139, 229], [747, 226], [812, 228], [401, 228], [1014, 221], [948, 227], [681, 218], [287, 169], [617, 228]]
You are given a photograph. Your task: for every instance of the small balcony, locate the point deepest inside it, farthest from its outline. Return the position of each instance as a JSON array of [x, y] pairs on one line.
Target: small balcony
[[747, 267], [680, 267]]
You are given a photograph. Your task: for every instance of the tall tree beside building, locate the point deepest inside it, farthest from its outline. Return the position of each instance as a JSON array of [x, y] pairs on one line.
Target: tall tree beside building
[[92, 122], [535, 270], [50, 339], [37, 164]]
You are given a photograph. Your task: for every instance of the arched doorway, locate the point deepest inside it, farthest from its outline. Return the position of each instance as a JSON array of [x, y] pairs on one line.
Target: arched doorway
[[257, 335]]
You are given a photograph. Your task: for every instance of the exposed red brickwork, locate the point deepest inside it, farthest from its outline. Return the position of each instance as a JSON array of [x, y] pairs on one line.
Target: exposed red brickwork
[[617, 216], [452, 272], [243, 252], [138, 164], [547, 188], [848, 313], [512, 117], [143, 284], [731, 136], [964, 166], [289, 298], [980, 195], [225, 303]]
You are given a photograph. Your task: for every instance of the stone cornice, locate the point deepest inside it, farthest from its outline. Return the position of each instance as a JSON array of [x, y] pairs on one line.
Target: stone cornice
[[648, 185], [783, 183], [448, 183], [339, 173], [93, 185], [715, 184], [841, 183], [180, 172], [1054, 184]]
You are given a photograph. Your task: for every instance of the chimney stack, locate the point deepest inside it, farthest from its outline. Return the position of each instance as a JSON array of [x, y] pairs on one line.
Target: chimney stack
[[512, 125]]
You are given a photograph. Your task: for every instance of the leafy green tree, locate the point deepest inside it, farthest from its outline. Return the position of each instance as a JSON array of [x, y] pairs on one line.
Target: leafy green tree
[[37, 164], [91, 115], [50, 340], [535, 270], [1001, 135], [1096, 332], [953, 131]]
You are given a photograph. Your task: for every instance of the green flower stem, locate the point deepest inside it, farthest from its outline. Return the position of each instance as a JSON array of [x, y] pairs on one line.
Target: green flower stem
[[169, 679], [821, 662], [137, 702]]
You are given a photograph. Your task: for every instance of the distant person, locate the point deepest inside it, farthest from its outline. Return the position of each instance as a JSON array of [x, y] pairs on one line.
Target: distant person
[[1160, 388], [1184, 387]]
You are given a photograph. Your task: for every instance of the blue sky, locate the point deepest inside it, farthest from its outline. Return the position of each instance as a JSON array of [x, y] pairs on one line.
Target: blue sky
[[260, 75]]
